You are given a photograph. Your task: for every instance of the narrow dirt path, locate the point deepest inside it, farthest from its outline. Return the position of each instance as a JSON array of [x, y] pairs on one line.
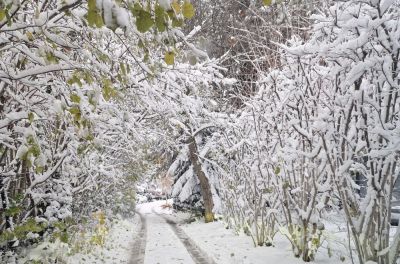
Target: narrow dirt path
[[139, 247]]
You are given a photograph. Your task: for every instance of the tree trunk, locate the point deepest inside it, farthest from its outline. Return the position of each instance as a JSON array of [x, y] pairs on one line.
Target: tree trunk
[[205, 187]]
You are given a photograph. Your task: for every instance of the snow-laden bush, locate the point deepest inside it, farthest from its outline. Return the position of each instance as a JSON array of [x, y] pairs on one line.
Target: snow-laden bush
[[322, 134], [77, 81]]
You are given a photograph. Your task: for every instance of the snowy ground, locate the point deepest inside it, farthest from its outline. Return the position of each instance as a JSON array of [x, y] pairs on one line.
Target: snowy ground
[[168, 243], [227, 248], [157, 235], [118, 245], [165, 241]]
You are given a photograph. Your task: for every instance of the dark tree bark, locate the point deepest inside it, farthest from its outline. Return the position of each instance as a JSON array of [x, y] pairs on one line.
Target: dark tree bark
[[205, 187]]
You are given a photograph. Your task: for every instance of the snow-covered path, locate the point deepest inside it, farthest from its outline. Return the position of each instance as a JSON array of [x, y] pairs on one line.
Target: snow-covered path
[[162, 240], [140, 242]]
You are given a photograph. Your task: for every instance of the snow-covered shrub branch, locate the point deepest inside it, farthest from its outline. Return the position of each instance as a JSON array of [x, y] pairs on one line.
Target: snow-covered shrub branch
[[325, 124], [74, 82]]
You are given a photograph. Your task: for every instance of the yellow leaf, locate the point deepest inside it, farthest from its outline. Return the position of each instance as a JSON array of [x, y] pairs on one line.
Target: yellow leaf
[[75, 98], [176, 6], [31, 117], [29, 35], [2, 14], [188, 10], [92, 4], [267, 2], [169, 58]]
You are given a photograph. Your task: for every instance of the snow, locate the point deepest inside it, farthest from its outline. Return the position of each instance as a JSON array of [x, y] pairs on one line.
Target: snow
[[122, 17], [38, 70], [317, 134], [163, 246], [166, 4], [227, 248], [219, 243], [117, 248]]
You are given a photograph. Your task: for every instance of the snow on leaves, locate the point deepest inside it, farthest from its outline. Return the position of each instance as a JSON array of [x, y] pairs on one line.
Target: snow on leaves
[[73, 87]]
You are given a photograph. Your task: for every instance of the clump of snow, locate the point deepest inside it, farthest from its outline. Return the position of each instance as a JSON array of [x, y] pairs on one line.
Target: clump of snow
[[157, 207], [47, 252], [166, 4], [122, 17], [229, 81]]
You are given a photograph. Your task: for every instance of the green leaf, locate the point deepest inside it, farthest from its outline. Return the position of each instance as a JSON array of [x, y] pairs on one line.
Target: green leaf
[[267, 2], [2, 14], [177, 22], [108, 90], [28, 34], [92, 4], [92, 98], [64, 237], [286, 185], [89, 137], [144, 21], [75, 98], [88, 77], [171, 14], [176, 6], [277, 170], [30, 140], [81, 149], [13, 211], [187, 10], [169, 58], [135, 10], [94, 18], [160, 18], [74, 110], [146, 56], [74, 79], [31, 117], [39, 169], [35, 150], [119, 78], [9, 23], [122, 68], [99, 21], [51, 58]]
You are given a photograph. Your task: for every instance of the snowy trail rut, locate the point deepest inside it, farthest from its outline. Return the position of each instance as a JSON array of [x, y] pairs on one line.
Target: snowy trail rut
[[140, 243], [161, 241], [197, 254]]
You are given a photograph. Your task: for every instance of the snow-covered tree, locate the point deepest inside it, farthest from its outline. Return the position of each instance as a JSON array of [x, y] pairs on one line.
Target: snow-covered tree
[[73, 82], [357, 43], [325, 124]]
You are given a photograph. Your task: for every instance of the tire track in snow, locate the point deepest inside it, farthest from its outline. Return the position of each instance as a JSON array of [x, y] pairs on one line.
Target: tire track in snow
[[139, 247], [198, 255]]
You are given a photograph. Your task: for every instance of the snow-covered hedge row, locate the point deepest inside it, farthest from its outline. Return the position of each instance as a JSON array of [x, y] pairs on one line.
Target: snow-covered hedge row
[[322, 135], [81, 86]]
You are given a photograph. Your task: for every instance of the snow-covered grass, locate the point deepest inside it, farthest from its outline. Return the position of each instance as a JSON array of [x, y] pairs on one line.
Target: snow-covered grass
[[227, 248], [117, 247]]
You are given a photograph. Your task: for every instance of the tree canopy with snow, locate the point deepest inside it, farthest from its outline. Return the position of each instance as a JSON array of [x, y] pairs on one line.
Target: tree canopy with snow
[[279, 118]]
